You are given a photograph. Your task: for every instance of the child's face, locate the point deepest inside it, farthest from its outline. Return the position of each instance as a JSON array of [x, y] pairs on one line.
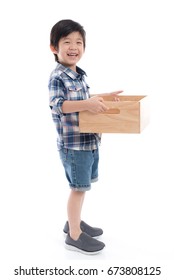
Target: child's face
[[70, 50]]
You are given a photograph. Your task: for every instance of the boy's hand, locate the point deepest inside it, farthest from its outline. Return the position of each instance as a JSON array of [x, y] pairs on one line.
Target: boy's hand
[[114, 94], [95, 105]]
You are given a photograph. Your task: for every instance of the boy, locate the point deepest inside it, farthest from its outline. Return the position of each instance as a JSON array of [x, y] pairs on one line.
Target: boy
[[68, 95]]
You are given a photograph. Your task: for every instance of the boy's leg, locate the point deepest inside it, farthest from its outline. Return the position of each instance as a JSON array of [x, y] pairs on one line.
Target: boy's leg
[[74, 208], [77, 240]]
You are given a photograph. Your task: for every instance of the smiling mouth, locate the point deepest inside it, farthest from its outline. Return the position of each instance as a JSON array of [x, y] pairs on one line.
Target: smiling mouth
[[72, 54]]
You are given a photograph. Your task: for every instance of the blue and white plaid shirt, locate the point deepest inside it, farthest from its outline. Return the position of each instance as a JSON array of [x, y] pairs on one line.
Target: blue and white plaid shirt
[[65, 84]]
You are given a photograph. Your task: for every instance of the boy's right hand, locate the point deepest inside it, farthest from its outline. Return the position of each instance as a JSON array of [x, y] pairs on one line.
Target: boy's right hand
[[95, 105]]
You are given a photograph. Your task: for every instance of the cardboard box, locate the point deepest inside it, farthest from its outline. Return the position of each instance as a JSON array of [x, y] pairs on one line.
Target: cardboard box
[[129, 115]]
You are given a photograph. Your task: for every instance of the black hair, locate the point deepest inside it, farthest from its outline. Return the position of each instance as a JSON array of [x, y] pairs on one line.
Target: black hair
[[62, 29]]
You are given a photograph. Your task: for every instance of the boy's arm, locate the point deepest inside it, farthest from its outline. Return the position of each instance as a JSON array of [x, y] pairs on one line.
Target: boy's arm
[[94, 105], [73, 106]]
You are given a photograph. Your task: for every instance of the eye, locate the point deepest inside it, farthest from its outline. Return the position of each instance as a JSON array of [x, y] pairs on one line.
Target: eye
[[79, 42]]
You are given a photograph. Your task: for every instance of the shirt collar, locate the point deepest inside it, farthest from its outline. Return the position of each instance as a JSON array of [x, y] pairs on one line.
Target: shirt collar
[[73, 75]]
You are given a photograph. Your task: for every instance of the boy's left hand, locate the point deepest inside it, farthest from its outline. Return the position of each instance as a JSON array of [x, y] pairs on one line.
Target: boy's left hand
[[113, 94]]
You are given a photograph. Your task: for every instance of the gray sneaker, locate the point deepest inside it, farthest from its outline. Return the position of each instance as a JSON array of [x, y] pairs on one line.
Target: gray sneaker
[[84, 244], [91, 231]]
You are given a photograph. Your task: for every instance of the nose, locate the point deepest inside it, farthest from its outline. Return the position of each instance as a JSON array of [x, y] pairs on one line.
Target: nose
[[73, 46]]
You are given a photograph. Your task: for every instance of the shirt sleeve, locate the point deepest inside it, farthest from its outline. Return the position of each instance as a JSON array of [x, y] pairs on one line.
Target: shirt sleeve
[[56, 95]]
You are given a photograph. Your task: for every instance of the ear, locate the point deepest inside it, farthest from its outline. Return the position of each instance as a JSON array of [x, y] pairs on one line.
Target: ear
[[53, 49]]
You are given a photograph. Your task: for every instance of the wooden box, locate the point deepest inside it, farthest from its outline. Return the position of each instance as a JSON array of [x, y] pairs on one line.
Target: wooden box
[[129, 115]]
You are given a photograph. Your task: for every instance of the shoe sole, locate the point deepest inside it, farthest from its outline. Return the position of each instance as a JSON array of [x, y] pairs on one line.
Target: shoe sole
[[73, 248]]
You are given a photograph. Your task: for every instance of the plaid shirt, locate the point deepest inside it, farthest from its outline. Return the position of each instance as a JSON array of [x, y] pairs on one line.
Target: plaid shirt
[[65, 84]]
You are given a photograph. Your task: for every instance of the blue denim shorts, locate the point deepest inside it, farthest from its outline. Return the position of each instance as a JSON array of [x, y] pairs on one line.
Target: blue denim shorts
[[81, 167]]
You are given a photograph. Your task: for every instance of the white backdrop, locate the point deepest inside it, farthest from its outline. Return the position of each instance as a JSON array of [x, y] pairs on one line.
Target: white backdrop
[[129, 47]]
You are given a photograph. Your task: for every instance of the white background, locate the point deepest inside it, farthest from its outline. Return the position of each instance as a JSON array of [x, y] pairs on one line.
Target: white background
[[129, 47]]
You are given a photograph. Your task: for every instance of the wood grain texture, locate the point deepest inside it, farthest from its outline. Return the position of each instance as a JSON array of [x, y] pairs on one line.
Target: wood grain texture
[[129, 115]]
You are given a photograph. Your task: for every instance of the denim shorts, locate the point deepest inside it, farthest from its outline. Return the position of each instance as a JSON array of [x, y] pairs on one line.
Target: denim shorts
[[81, 167]]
